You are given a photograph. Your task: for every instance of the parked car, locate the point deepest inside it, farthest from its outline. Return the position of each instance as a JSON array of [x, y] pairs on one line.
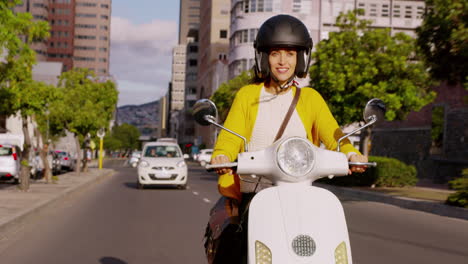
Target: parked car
[[134, 158], [9, 163], [66, 161], [204, 157], [162, 163]]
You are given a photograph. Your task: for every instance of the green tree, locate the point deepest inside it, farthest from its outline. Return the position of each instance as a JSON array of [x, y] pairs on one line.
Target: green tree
[[128, 137], [443, 39], [86, 105], [18, 93], [359, 63], [226, 92]]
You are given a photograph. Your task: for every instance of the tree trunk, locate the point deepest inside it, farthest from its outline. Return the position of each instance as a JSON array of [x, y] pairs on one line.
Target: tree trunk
[[25, 168], [85, 160], [78, 153], [365, 142], [44, 154]]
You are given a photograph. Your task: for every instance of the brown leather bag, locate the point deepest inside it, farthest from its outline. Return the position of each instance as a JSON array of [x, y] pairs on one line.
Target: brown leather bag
[[224, 216]]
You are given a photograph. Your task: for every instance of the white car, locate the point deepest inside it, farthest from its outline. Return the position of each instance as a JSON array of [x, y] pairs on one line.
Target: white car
[[204, 157], [162, 163], [134, 158], [9, 163]]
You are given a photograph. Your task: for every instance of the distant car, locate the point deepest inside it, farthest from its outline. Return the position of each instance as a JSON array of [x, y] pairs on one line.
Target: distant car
[[66, 161], [162, 163], [204, 157], [134, 158], [9, 163]]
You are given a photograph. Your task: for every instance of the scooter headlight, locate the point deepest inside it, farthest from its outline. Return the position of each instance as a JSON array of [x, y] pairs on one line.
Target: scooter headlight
[[295, 157]]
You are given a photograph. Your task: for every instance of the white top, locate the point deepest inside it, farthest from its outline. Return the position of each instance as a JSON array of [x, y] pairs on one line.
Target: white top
[[271, 112]]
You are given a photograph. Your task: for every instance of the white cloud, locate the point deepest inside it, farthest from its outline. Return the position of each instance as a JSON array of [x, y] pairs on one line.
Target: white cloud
[[141, 57]]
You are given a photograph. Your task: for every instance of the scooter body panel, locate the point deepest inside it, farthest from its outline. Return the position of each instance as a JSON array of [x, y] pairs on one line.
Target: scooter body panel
[[298, 224]]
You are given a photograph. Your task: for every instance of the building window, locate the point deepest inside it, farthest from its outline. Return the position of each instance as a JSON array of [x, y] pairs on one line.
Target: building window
[[103, 27], [102, 60], [105, 6], [85, 26], [193, 49], [103, 49], [223, 33], [192, 63], [85, 37], [85, 48], [104, 17], [86, 15], [86, 4], [84, 59], [102, 38]]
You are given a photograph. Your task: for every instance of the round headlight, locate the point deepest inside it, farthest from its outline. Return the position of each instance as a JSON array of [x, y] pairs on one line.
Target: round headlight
[[143, 164], [295, 157], [181, 164]]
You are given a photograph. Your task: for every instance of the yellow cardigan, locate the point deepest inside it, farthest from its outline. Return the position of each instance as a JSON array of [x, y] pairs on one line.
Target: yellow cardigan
[[314, 113]]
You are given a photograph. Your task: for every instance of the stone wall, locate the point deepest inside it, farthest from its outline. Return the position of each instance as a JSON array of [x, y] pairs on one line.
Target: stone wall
[[413, 146]]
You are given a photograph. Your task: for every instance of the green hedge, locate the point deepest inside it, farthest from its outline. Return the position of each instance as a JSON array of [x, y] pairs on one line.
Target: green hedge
[[389, 172], [460, 198]]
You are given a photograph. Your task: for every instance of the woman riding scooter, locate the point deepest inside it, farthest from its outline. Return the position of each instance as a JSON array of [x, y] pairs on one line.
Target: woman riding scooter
[[260, 114]]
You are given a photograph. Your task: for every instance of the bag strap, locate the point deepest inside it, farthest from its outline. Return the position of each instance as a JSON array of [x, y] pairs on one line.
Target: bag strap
[[288, 114]]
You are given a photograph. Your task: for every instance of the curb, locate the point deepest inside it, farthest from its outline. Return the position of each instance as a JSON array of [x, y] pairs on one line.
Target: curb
[[408, 203], [18, 219]]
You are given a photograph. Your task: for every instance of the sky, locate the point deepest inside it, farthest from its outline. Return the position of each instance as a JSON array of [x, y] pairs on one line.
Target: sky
[[143, 33]]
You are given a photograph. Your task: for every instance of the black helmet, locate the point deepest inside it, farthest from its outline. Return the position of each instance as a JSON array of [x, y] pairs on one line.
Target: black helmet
[[282, 31]]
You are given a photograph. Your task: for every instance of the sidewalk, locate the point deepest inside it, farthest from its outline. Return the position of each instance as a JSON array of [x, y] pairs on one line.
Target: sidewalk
[[428, 206], [17, 207]]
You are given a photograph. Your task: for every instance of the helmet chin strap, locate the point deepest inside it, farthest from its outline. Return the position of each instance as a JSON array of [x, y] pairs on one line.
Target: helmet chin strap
[[287, 84]]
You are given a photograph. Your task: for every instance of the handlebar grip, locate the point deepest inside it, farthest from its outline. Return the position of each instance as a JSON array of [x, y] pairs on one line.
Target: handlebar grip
[[370, 164]]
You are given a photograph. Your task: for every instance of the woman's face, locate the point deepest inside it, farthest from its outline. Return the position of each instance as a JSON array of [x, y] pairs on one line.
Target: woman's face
[[282, 63]]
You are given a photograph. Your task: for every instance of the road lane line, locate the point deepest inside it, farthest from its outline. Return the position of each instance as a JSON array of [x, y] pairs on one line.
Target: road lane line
[[196, 193], [206, 200]]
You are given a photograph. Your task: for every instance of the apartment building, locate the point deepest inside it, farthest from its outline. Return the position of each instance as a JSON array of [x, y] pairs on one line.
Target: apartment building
[[79, 34], [213, 56], [91, 47], [318, 15], [184, 70]]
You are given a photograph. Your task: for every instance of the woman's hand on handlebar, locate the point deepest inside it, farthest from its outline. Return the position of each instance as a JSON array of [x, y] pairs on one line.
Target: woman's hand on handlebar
[[221, 159], [357, 168]]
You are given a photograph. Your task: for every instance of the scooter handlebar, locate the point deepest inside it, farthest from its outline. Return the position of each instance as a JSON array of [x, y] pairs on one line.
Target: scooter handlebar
[[370, 164], [221, 165]]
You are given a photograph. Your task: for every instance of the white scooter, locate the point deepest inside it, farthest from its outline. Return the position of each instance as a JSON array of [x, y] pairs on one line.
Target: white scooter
[[294, 222]]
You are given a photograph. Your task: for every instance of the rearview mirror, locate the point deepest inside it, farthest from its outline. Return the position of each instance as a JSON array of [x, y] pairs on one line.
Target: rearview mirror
[[375, 109], [204, 109]]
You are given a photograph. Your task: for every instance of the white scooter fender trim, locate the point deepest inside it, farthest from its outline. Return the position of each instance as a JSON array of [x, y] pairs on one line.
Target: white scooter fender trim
[[282, 214]]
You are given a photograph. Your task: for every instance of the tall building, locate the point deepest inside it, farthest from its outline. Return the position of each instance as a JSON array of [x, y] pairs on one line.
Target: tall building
[[184, 68], [92, 35], [213, 55], [318, 15], [79, 32], [39, 9], [189, 18], [62, 24]]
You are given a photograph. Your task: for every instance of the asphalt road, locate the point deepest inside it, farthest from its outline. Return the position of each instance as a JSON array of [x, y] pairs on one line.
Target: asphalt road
[[115, 223]]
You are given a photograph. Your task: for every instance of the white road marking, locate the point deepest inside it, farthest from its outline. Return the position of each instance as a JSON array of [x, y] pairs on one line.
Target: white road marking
[[196, 193], [206, 200]]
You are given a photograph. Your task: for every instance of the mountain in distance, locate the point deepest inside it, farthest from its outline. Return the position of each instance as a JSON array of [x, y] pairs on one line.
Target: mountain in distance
[[145, 117]]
